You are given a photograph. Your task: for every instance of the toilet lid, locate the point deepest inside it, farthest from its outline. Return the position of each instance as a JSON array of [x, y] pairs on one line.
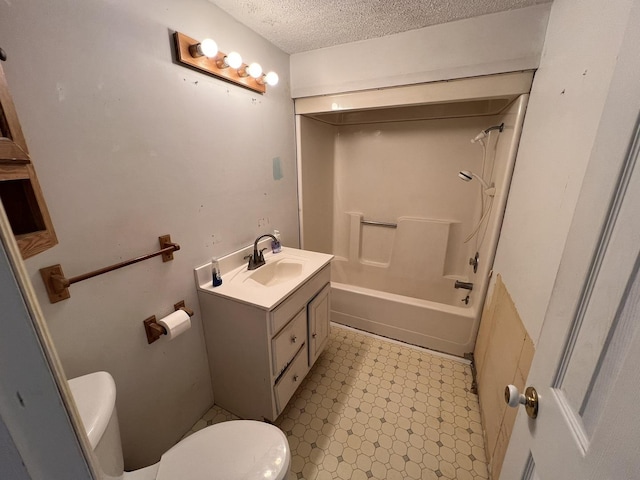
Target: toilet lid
[[235, 450]]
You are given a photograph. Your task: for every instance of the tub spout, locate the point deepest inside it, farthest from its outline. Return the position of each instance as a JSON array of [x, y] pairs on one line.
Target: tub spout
[[465, 285]]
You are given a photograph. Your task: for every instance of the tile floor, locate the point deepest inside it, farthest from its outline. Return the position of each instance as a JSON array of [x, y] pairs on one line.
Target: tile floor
[[374, 408]]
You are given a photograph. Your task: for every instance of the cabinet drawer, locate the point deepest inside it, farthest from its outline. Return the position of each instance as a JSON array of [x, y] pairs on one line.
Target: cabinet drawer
[[298, 299], [291, 379], [285, 345]]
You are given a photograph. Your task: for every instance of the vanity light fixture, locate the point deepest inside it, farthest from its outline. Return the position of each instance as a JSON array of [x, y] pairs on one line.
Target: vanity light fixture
[[206, 57]]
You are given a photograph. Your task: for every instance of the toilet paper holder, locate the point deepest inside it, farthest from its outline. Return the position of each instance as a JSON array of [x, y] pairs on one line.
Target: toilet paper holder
[[154, 330]]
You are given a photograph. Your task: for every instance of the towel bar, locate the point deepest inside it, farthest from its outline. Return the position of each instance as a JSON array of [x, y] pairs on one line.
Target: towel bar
[[58, 285]]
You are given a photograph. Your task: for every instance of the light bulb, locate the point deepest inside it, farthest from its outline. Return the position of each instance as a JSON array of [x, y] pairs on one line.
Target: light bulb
[[233, 59], [208, 48], [271, 79], [254, 70]]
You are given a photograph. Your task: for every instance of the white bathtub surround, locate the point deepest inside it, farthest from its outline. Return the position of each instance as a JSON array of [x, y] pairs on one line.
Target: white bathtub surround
[[415, 259], [399, 165]]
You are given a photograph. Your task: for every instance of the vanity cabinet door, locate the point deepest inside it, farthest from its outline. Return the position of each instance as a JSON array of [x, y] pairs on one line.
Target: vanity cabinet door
[[319, 311]]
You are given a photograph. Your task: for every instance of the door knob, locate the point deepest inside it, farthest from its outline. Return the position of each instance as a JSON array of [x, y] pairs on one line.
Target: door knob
[[513, 398]]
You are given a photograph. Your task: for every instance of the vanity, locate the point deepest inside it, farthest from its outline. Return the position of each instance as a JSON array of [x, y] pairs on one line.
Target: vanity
[[264, 328]]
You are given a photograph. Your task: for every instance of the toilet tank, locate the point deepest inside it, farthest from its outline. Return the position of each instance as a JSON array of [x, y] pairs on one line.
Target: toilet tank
[[95, 397]]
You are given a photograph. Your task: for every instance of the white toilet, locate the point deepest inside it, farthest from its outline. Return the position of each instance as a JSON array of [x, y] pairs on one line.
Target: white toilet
[[235, 450]]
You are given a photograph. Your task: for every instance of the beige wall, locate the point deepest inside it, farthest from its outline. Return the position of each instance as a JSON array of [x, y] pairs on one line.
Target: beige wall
[[564, 111], [501, 42], [503, 356], [567, 98], [129, 146]]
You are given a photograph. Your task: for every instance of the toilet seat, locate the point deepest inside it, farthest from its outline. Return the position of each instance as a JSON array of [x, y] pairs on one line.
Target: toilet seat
[[235, 450]]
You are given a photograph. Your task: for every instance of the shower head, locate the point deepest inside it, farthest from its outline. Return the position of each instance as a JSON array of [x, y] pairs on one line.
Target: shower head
[[478, 137], [467, 176]]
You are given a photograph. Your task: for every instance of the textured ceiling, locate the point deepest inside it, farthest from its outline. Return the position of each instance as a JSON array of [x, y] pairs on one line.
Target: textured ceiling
[[301, 25]]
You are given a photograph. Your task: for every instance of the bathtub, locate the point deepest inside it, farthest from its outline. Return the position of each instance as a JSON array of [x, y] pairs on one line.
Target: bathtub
[[389, 291], [437, 326]]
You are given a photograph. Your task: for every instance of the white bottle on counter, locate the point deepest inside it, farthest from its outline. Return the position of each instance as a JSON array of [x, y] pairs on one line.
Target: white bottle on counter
[[216, 276]]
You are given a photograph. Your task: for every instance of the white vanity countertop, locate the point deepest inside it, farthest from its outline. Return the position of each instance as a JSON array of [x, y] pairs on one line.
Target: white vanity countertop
[[240, 284]]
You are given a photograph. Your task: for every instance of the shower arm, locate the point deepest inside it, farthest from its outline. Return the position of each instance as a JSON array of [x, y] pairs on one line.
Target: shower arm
[[485, 132], [495, 127]]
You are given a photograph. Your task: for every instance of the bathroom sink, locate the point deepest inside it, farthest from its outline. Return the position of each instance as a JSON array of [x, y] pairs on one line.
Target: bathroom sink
[[277, 272], [266, 286]]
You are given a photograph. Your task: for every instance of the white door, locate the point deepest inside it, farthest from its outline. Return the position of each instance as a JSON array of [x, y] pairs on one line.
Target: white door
[[587, 364]]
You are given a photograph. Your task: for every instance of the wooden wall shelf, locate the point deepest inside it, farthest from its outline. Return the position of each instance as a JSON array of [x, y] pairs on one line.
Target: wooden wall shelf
[[20, 191]]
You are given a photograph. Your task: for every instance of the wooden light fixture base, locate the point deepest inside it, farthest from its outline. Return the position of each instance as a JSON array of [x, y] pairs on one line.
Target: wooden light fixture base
[[209, 65]]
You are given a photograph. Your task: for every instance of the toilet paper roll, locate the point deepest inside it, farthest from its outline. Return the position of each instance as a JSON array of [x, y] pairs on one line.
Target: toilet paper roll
[[176, 323]]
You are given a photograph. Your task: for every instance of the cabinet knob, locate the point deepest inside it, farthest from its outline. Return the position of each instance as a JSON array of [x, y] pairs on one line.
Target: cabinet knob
[[295, 378], [314, 335], [294, 339]]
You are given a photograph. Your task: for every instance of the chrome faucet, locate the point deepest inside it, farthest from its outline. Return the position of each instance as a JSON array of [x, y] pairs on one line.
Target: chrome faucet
[[465, 285], [257, 258]]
